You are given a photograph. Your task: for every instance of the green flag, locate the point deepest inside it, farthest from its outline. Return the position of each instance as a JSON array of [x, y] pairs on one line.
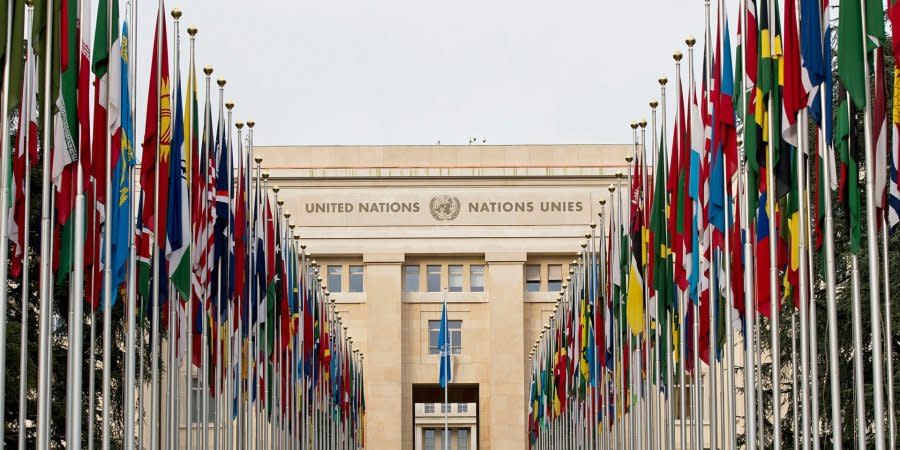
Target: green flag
[[850, 170], [850, 44], [663, 282]]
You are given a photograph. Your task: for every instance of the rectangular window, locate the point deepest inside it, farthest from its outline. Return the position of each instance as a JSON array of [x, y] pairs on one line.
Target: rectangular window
[[532, 278], [429, 439], [356, 278], [476, 278], [411, 278], [334, 278], [434, 331], [462, 408], [197, 392], [462, 439], [554, 277], [429, 408], [456, 278], [445, 408], [433, 278]]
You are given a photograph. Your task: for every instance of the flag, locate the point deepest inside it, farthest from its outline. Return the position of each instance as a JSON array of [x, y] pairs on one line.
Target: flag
[[445, 376], [123, 161], [880, 132], [65, 137], [850, 52], [178, 226], [158, 127], [893, 199], [848, 192], [634, 307]]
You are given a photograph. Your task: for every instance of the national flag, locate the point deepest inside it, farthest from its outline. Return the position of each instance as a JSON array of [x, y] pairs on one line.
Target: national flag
[[893, 195], [850, 51], [157, 137], [848, 192], [634, 307], [879, 165], [123, 160], [178, 226], [445, 376]]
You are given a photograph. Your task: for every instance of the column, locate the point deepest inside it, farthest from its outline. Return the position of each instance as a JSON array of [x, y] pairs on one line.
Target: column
[[505, 287], [384, 351]]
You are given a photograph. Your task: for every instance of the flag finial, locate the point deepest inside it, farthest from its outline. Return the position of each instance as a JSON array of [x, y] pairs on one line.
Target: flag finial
[[690, 41], [221, 82], [654, 103], [663, 81], [677, 56], [229, 105], [176, 13], [192, 31], [643, 123], [208, 70]]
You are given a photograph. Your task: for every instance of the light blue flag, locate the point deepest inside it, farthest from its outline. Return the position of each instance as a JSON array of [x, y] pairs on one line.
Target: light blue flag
[[446, 370]]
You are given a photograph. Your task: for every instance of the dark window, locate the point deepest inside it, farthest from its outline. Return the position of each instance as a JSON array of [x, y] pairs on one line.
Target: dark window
[[334, 278], [455, 282], [532, 277], [429, 439], [476, 278], [197, 392], [433, 278], [411, 278], [429, 408], [356, 278], [434, 331], [462, 408], [554, 277], [462, 439]]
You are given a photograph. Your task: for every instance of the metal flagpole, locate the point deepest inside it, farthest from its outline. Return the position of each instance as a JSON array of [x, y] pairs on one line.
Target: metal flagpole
[[802, 150], [750, 299], [857, 342], [872, 240], [222, 291], [107, 255], [92, 368], [228, 394], [446, 406], [26, 111], [203, 422], [888, 350], [682, 337], [131, 277], [813, 331], [171, 362], [4, 207], [793, 393], [669, 353], [45, 274], [189, 311], [775, 302]]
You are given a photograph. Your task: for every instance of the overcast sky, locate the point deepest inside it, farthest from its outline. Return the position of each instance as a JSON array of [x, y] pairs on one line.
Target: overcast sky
[[419, 71]]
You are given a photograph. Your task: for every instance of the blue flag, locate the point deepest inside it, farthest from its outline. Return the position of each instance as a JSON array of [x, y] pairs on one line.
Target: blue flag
[[446, 370], [121, 209]]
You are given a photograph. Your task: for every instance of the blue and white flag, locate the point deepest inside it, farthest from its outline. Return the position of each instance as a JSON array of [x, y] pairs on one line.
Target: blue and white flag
[[446, 371]]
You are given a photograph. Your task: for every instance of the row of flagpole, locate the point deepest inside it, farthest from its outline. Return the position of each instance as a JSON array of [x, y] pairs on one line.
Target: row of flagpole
[[737, 217], [207, 249]]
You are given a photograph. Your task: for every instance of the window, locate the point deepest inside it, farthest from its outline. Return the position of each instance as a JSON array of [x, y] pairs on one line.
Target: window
[[532, 278], [411, 278], [429, 408], [356, 278], [676, 397], [334, 278], [462, 408], [455, 282], [476, 278], [434, 331], [429, 439], [462, 439], [433, 278], [445, 408], [197, 391], [554, 277]]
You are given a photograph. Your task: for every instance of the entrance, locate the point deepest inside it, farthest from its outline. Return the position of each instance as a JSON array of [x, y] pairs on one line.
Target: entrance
[[461, 412]]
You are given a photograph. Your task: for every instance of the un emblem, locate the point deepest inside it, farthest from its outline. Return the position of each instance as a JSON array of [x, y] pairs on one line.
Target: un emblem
[[444, 207]]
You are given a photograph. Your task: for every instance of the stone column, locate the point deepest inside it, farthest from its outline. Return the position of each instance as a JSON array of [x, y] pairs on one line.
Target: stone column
[[505, 287], [384, 352]]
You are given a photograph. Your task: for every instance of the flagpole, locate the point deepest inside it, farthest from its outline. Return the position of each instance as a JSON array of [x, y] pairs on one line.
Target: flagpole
[[222, 291], [670, 387], [802, 149], [446, 407], [813, 328], [203, 422], [189, 311], [26, 111], [749, 295], [872, 240], [228, 394], [4, 208], [889, 357]]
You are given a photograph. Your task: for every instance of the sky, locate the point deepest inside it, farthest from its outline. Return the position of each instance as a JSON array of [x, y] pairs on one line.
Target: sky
[[389, 72]]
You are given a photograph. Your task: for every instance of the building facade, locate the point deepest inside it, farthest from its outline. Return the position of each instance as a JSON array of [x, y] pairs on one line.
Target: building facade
[[396, 228]]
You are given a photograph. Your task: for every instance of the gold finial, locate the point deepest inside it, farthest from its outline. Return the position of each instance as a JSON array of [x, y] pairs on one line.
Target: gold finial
[[677, 55], [643, 123], [620, 174], [229, 105], [29, 2], [265, 176], [612, 188], [221, 82], [587, 236], [663, 80], [566, 285], [176, 13], [690, 41], [584, 244], [319, 279], [634, 125], [302, 246], [593, 225], [192, 31], [251, 123], [208, 70], [239, 125], [628, 160], [275, 189], [315, 263], [603, 202], [258, 159], [654, 104]]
